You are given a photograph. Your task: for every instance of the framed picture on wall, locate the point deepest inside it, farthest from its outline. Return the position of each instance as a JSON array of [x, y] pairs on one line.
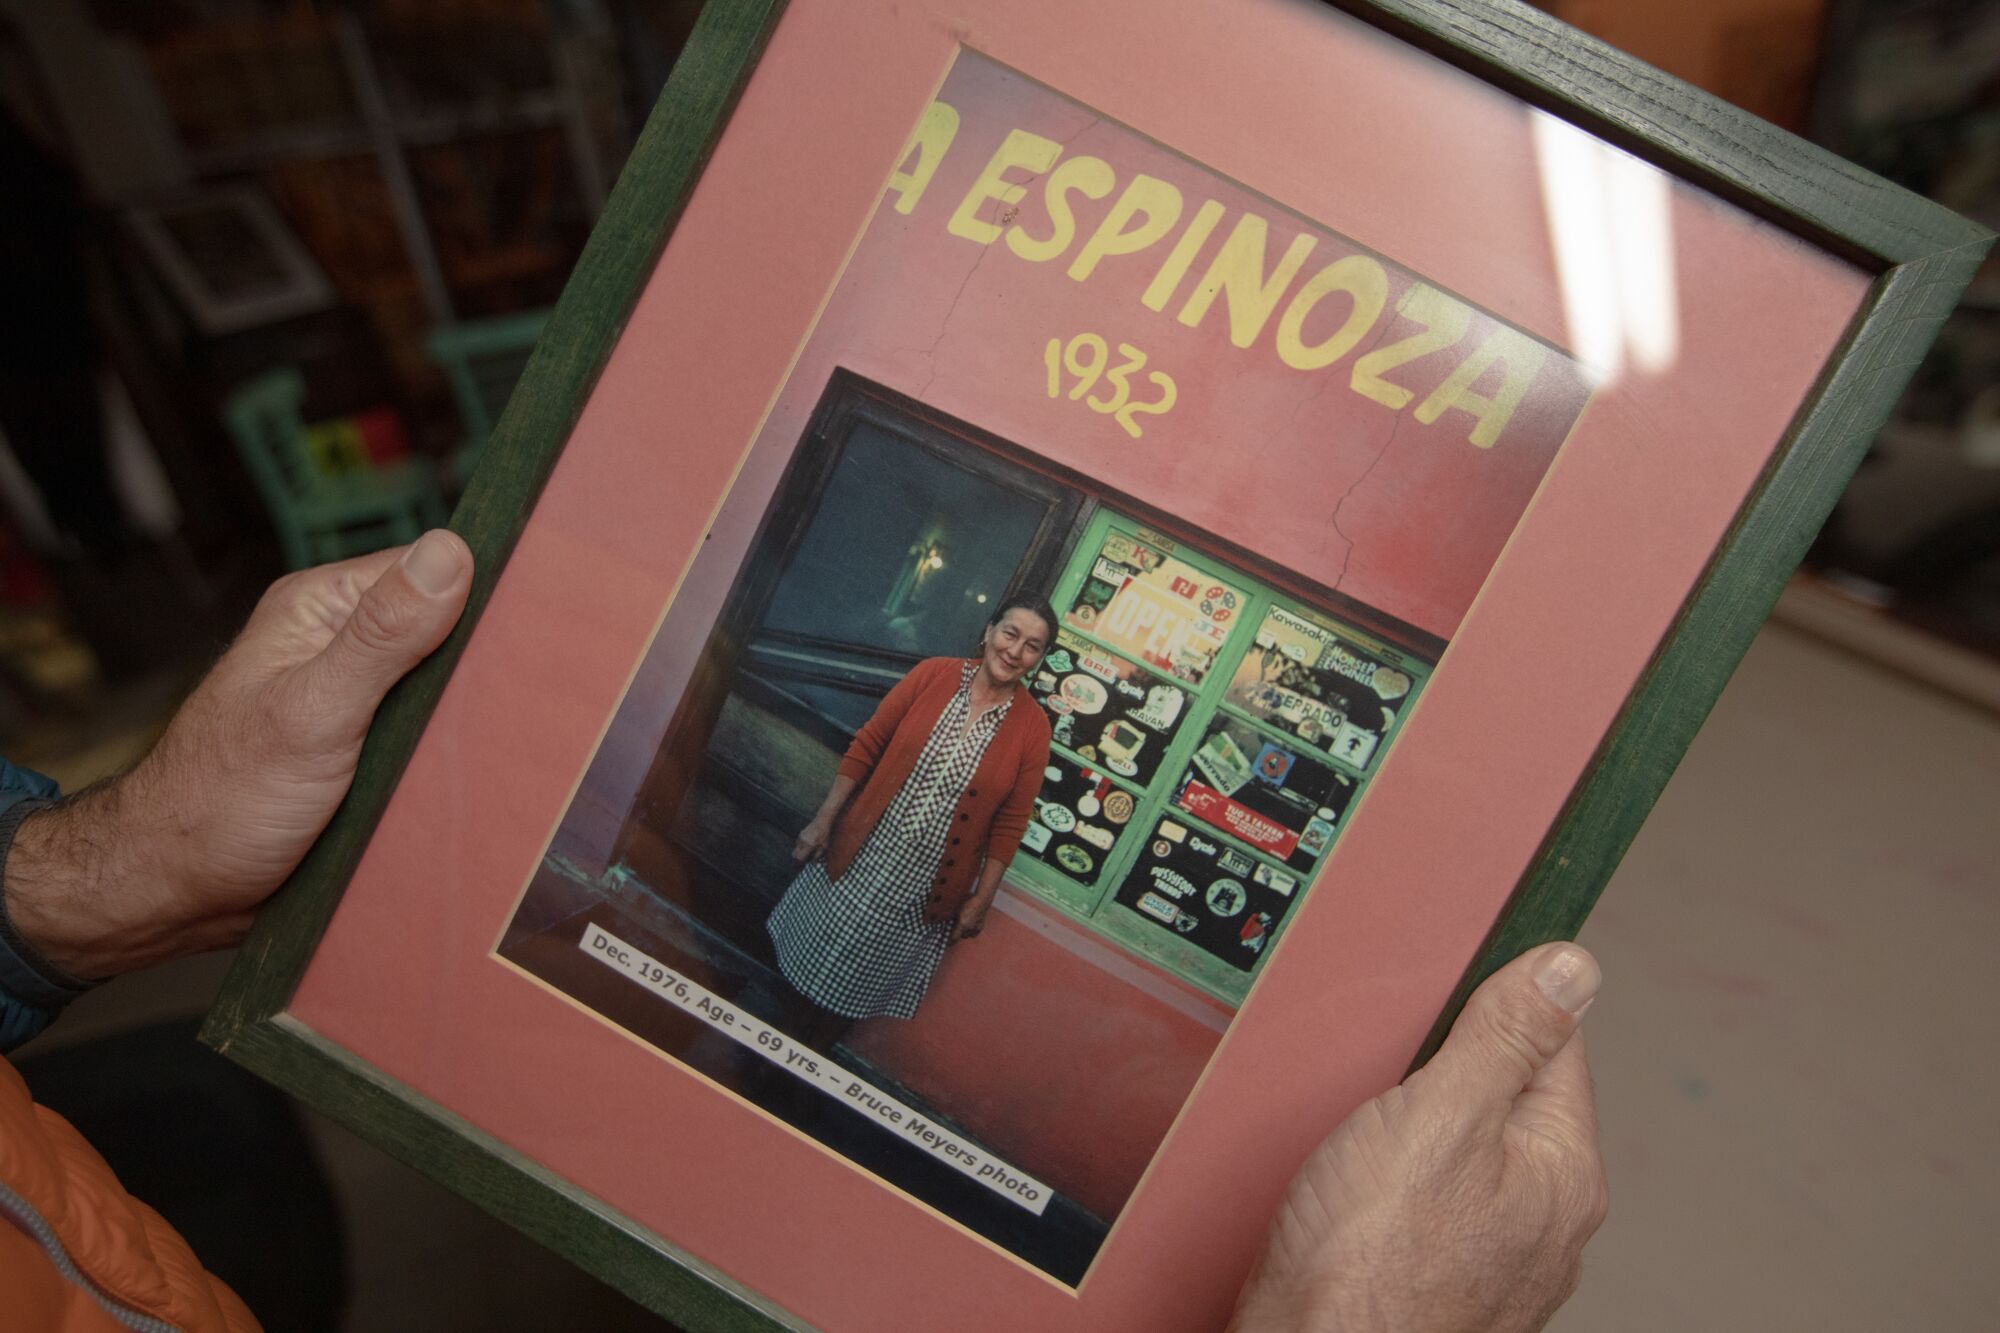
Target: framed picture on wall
[[1362, 439], [229, 258]]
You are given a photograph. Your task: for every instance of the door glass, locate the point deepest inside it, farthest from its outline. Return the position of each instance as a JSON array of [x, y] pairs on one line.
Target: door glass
[[906, 552]]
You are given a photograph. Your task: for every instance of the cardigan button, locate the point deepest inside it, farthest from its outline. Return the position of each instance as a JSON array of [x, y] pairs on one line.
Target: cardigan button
[[972, 791], [955, 840]]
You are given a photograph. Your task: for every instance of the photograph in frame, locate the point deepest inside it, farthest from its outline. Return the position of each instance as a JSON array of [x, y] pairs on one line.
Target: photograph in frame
[[657, 632], [1258, 522]]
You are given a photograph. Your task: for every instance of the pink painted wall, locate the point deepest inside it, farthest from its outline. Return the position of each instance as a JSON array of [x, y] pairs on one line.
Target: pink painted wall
[[1066, 1068]]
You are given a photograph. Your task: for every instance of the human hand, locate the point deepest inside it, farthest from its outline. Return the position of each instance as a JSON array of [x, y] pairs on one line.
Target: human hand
[[174, 856], [812, 841], [971, 919], [1461, 1200]]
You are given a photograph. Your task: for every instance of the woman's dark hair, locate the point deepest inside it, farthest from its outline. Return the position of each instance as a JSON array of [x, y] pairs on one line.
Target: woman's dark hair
[[1027, 601]]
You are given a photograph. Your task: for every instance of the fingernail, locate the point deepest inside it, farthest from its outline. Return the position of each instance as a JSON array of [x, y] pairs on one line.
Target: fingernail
[[1570, 977], [432, 564]]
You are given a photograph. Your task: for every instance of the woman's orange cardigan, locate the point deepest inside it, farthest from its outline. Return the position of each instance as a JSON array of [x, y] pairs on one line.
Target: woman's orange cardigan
[[992, 812]]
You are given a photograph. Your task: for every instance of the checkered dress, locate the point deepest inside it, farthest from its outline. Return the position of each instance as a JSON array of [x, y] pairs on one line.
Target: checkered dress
[[861, 947]]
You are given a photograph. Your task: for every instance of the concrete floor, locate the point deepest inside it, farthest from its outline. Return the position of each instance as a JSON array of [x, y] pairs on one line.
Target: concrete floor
[[1793, 1048]]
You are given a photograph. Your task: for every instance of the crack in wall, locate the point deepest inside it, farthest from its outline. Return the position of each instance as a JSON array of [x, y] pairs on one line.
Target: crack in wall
[[1325, 382], [1395, 424], [1005, 220], [1347, 556], [944, 326]]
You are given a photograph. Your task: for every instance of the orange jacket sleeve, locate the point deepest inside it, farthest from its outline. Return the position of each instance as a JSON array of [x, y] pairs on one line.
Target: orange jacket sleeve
[[70, 1237]]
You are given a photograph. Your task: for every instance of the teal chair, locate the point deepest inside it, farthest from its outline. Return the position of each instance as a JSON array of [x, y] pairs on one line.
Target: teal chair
[[484, 360], [321, 518]]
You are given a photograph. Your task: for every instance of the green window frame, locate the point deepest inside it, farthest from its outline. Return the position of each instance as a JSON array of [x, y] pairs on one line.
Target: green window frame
[[1093, 897]]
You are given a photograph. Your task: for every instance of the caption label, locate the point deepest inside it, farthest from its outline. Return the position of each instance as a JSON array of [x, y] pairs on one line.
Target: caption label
[[810, 1066]]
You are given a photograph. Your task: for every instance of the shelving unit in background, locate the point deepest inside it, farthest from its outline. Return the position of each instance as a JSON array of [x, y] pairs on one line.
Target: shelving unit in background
[[442, 161]]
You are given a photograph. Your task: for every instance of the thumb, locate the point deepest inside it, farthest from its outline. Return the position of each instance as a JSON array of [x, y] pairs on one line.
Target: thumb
[[396, 623], [1514, 1025]]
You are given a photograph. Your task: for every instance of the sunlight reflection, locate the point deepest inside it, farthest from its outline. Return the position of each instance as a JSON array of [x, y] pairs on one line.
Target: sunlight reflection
[[1614, 246]]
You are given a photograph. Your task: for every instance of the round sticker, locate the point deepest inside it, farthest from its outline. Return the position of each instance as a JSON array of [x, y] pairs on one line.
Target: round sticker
[[1117, 807], [1058, 817], [1162, 848], [1088, 806], [1225, 897], [1124, 768], [1052, 773], [1084, 693], [1074, 859]]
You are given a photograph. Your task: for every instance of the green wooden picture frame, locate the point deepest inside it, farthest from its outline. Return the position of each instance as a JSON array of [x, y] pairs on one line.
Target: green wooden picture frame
[[1922, 257]]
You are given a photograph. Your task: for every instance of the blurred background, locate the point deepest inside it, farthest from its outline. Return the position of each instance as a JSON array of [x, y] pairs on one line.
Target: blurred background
[[268, 272]]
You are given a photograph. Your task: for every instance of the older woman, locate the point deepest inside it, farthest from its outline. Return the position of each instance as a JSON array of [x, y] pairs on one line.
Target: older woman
[[906, 852]]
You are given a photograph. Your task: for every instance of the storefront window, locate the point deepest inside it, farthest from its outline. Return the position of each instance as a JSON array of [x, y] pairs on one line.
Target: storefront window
[[1320, 685], [1139, 600], [1210, 736]]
